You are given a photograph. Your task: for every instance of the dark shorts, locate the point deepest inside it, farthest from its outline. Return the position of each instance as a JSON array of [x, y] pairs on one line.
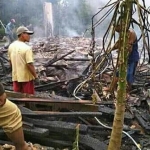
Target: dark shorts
[[24, 87], [130, 72]]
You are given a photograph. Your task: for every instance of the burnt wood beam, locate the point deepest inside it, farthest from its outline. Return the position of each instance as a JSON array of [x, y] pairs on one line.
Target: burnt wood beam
[[57, 126], [145, 124], [57, 59], [40, 100], [62, 114], [50, 86], [76, 59], [110, 111]]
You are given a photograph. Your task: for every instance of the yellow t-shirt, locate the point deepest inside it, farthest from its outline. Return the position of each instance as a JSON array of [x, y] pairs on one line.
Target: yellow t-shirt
[[10, 117], [19, 53]]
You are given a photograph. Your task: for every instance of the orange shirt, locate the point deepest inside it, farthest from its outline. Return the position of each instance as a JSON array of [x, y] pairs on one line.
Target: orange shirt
[[19, 53]]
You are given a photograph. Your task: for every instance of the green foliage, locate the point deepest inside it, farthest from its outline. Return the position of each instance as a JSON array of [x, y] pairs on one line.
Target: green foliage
[[70, 17], [23, 11], [76, 143], [2, 32]]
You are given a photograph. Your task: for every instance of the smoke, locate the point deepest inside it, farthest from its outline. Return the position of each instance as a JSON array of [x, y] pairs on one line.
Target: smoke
[[38, 31], [77, 17], [71, 32], [71, 17], [24, 12]]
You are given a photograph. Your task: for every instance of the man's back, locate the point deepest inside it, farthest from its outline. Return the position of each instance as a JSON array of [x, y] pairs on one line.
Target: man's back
[[20, 54], [134, 54], [9, 28]]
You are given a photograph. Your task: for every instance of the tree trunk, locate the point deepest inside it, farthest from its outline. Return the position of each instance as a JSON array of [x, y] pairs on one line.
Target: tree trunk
[[116, 134]]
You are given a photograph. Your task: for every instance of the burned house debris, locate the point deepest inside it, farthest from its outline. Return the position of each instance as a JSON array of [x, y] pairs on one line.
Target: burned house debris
[[56, 112], [70, 110]]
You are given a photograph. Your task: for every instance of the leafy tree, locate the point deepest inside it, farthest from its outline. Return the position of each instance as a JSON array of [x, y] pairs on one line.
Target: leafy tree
[[70, 17]]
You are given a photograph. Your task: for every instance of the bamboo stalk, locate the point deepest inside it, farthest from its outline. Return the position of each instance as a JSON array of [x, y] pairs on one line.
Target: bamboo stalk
[[116, 134]]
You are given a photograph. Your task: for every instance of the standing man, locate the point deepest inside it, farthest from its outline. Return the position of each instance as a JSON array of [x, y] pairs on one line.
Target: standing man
[[9, 31], [133, 57], [11, 122], [21, 59]]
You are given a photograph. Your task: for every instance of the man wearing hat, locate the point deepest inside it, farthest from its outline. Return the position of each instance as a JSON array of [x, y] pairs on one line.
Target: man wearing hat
[[9, 31], [11, 122], [21, 58]]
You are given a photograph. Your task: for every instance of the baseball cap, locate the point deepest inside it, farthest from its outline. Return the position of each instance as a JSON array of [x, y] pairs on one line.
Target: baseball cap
[[23, 29], [13, 20]]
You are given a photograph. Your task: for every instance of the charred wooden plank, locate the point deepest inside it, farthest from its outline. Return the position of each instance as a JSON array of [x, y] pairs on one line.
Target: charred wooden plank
[[25, 110], [85, 140], [23, 97], [91, 143], [49, 142], [49, 86], [110, 111], [62, 114], [57, 59], [35, 131], [55, 106], [40, 100], [143, 123], [57, 126], [76, 59], [59, 66], [67, 106]]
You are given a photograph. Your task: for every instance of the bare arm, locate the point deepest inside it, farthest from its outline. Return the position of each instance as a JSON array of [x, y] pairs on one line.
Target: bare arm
[[116, 45], [29, 63], [2, 95], [32, 69]]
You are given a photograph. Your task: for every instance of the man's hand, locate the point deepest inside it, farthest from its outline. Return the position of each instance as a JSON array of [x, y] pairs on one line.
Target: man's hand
[[37, 81]]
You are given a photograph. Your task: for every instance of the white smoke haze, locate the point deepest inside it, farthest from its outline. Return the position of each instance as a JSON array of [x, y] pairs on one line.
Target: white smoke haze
[[95, 6], [69, 24], [71, 32], [38, 31]]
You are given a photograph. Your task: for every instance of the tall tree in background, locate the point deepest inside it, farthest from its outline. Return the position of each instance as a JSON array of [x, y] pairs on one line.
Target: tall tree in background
[[24, 11], [69, 16]]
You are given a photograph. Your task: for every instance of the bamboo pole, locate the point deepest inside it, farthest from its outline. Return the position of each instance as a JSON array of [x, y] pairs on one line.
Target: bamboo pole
[[116, 134]]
